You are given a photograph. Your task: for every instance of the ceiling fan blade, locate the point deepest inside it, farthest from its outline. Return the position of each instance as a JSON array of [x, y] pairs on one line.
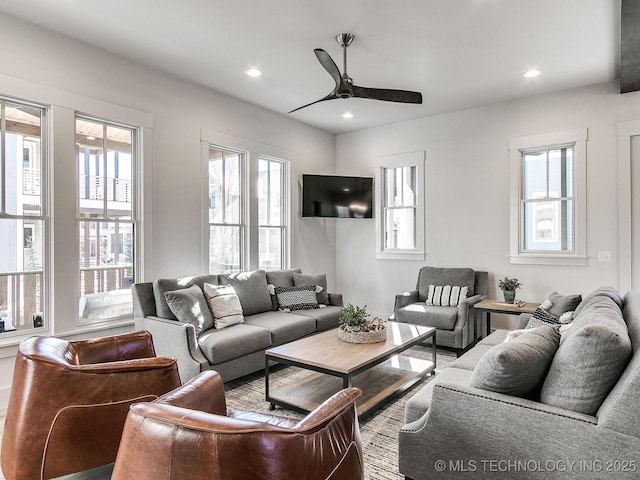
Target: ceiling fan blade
[[329, 65], [400, 96], [331, 96]]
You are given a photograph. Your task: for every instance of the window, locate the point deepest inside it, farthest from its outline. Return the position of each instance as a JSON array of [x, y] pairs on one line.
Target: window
[[271, 213], [226, 210], [400, 193], [23, 214], [106, 156], [548, 205], [246, 205]]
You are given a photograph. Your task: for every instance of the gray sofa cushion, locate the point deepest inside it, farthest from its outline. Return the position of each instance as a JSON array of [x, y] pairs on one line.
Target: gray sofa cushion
[[326, 318], [252, 290], [168, 284], [280, 278], [519, 366], [226, 344], [443, 318], [190, 306], [460, 277], [284, 327], [301, 280], [591, 358]]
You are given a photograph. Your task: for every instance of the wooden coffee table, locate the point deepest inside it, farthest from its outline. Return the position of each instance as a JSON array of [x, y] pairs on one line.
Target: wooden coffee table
[[376, 368]]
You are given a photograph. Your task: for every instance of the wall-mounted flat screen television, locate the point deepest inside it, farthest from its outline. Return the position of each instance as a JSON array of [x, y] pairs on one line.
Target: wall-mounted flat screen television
[[333, 196]]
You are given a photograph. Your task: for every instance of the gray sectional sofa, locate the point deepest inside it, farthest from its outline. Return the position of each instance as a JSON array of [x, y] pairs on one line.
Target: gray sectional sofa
[[455, 431], [236, 350]]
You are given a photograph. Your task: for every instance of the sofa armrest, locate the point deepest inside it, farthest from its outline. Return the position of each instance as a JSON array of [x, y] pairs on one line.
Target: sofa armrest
[[523, 319], [404, 299], [468, 426], [175, 340], [335, 299]]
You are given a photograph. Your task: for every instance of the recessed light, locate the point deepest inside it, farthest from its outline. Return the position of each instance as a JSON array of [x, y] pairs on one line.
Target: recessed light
[[90, 137], [347, 115], [534, 72], [253, 72]]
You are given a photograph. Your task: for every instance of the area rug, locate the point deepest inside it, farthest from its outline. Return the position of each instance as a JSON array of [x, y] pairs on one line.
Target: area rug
[[379, 431]]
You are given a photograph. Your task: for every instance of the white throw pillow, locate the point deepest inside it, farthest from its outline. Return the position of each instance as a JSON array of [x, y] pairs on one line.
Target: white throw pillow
[[224, 304], [446, 296]]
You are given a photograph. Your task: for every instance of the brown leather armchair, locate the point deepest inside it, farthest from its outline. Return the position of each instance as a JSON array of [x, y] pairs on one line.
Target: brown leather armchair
[[188, 433], [69, 401]]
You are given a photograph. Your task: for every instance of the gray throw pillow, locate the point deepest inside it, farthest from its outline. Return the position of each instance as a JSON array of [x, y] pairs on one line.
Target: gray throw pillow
[[189, 306], [252, 290], [168, 284], [561, 304], [224, 304], [300, 280], [587, 365], [517, 367]]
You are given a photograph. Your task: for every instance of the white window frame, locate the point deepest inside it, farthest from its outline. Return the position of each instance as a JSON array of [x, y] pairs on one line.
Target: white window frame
[[411, 159], [285, 201], [135, 220], [578, 138], [242, 220], [253, 152], [44, 217]]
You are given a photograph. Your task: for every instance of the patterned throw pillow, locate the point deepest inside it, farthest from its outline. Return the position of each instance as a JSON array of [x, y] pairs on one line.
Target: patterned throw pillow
[[541, 317], [297, 298], [446, 296], [224, 304]]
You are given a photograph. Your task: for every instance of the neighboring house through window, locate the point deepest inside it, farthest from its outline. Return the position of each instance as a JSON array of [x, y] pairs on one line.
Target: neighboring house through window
[[548, 207], [400, 192]]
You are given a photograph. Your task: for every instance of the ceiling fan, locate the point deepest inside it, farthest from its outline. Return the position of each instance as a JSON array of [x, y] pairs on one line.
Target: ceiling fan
[[344, 84]]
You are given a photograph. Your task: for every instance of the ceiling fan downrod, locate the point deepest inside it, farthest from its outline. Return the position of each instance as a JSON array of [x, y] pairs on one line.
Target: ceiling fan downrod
[[344, 40]]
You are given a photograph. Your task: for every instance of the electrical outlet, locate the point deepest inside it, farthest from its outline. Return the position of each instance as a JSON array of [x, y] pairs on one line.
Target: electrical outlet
[[604, 256]]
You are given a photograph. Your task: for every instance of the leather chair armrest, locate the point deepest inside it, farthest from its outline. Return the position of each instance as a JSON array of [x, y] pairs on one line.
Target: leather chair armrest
[[335, 299], [404, 299], [336, 403], [205, 393], [124, 366]]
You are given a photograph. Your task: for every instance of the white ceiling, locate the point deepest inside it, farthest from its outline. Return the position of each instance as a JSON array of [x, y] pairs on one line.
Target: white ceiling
[[458, 53]]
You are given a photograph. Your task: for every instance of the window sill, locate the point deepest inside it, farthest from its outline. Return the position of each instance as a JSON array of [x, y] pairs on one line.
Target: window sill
[[400, 255], [541, 259]]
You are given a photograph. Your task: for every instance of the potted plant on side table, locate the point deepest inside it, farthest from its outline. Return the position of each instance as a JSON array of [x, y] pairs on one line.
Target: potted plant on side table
[[357, 327], [509, 287]]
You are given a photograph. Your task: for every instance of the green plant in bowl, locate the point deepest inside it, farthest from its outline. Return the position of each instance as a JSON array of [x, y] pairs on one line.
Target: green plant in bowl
[[354, 318]]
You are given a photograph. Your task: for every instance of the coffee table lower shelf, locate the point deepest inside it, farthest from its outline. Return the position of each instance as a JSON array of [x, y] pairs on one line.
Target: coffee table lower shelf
[[379, 383]]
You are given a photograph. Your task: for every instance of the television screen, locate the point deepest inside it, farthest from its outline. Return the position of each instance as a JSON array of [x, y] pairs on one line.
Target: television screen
[[337, 197]]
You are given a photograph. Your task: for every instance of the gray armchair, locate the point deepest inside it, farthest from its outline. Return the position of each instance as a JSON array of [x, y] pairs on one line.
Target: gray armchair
[[455, 326]]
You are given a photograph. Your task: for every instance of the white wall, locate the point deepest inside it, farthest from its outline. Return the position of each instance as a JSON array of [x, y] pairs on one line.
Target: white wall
[[49, 62], [467, 196]]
